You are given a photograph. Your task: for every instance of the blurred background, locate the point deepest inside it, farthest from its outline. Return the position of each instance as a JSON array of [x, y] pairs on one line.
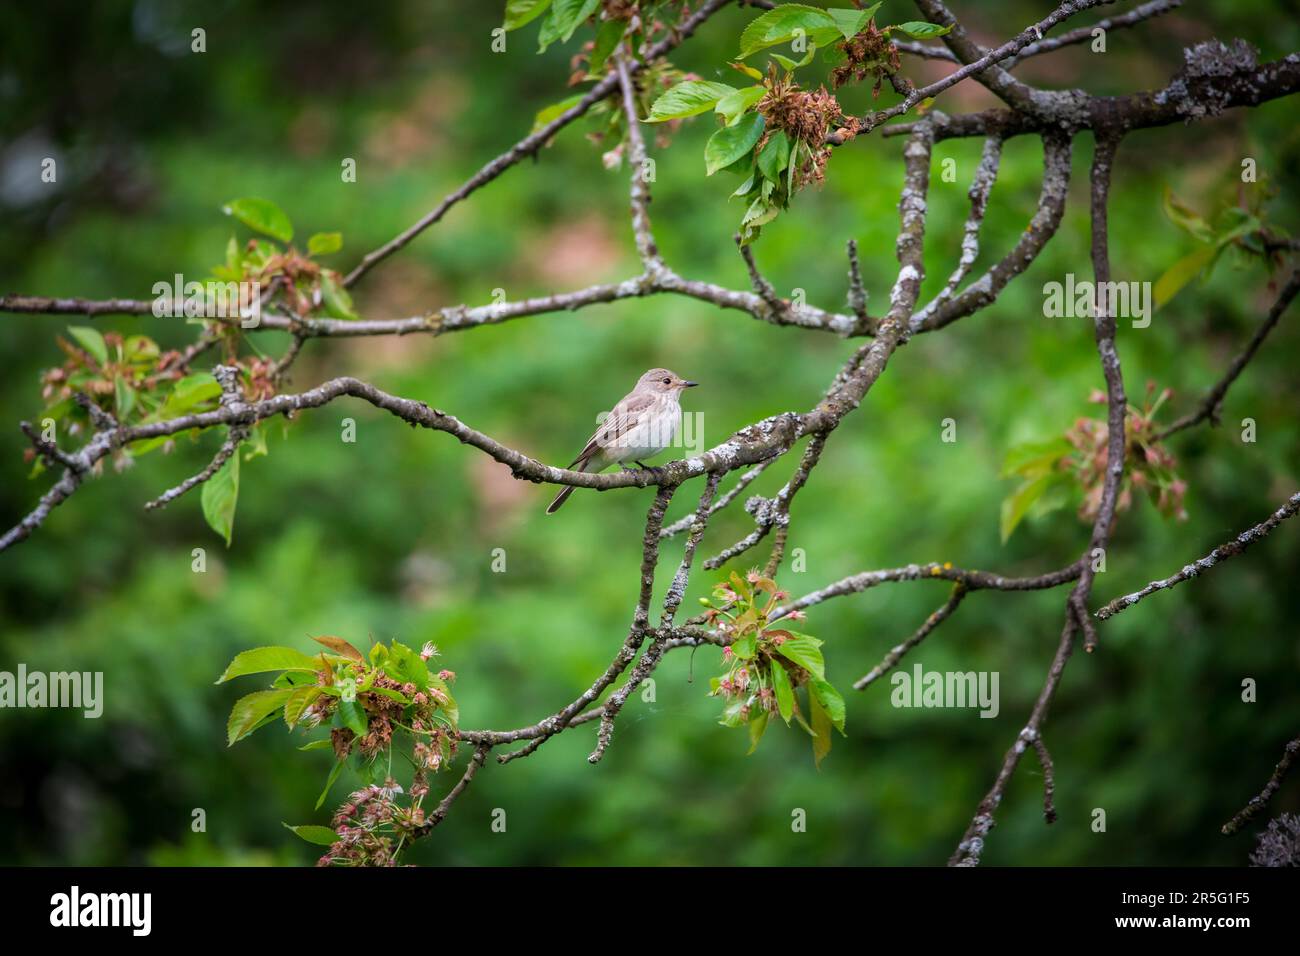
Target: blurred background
[[393, 536]]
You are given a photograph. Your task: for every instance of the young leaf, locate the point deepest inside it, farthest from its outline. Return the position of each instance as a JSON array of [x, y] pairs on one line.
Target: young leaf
[[783, 689], [338, 303], [262, 659], [90, 340], [329, 782], [731, 143], [736, 103], [123, 398], [263, 215], [607, 37], [299, 701], [565, 17], [757, 726], [783, 23], [521, 12], [353, 716], [189, 393], [219, 497], [548, 113], [324, 243], [851, 22], [252, 711], [340, 646], [831, 700], [821, 728], [1033, 458], [1181, 273], [919, 30], [687, 99], [805, 651], [322, 836], [774, 156], [1186, 218], [1015, 505]]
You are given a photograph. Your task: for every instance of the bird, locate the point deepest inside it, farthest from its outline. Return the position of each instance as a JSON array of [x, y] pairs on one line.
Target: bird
[[642, 424]]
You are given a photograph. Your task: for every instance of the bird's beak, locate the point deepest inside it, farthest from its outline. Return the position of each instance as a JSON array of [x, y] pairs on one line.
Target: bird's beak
[[689, 384]]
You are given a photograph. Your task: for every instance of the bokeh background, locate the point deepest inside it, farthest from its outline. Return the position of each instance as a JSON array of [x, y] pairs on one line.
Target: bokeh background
[[393, 536]]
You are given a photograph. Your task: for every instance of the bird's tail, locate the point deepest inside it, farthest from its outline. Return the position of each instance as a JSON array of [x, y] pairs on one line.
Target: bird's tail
[[567, 490], [560, 499]]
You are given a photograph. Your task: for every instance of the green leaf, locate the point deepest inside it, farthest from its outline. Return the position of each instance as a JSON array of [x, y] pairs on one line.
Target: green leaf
[[783, 23], [252, 711], [731, 143], [565, 17], [1015, 505], [831, 700], [821, 729], [1181, 273], [189, 393], [851, 22], [90, 340], [329, 782], [607, 37], [553, 112], [738, 102], [262, 659], [1186, 218], [299, 701], [784, 690], [324, 243], [806, 652], [262, 215], [1033, 458], [687, 99], [757, 727], [325, 744], [405, 665], [774, 156], [745, 646], [322, 836], [520, 12], [353, 716], [335, 297], [219, 497], [919, 30], [123, 398]]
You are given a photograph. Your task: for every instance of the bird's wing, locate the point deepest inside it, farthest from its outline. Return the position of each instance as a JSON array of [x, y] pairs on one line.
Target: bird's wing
[[624, 417]]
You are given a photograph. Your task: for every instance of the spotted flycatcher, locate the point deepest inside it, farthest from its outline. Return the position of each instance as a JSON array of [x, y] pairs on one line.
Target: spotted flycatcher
[[643, 424]]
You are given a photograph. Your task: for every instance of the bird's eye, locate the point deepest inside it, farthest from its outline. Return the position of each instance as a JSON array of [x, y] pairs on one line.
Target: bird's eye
[[668, 381]]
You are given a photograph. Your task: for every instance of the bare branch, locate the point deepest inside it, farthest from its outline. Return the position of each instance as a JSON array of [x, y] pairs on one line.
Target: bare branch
[[1042, 226], [895, 655], [1258, 801], [972, 843], [981, 186], [971, 580], [677, 527], [1212, 405], [1229, 549]]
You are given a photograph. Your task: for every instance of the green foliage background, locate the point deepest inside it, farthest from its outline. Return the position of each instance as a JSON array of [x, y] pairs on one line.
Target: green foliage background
[[392, 536]]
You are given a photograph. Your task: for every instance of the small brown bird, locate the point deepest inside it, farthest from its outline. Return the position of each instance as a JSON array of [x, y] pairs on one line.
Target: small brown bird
[[643, 424]]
